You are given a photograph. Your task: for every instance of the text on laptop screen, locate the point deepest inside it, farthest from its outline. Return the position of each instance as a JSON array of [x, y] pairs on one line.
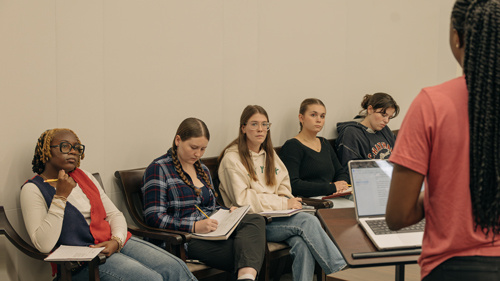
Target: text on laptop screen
[[371, 182]]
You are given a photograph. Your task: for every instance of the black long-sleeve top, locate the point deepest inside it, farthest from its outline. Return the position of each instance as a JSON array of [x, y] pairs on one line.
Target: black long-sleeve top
[[312, 173]]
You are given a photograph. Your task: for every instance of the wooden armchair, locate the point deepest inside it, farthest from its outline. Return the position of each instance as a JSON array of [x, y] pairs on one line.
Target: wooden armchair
[[66, 267], [130, 182]]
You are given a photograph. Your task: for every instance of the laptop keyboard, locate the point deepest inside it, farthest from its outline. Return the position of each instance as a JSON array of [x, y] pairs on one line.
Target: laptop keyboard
[[380, 227]]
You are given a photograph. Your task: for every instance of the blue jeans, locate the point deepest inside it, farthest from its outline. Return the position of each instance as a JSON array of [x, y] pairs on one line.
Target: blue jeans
[[309, 243], [140, 260]]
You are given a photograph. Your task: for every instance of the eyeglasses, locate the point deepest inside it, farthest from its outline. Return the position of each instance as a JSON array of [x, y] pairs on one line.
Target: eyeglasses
[[256, 125], [66, 147]]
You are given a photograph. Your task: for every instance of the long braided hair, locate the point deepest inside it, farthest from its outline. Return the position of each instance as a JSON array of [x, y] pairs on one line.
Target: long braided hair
[[42, 150], [191, 128], [478, 26]]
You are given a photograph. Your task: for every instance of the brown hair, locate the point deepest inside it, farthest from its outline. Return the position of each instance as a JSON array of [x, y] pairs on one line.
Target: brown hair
[[42, 150], [191, 128], [306, 103], [379, 100], [244, 152]]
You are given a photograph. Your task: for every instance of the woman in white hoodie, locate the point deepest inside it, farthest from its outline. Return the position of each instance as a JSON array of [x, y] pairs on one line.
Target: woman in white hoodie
[[252, 174]]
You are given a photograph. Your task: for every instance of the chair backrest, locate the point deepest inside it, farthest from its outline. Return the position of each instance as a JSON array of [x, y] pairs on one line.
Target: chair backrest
[[130, 182], [97, 176], [213, 165]]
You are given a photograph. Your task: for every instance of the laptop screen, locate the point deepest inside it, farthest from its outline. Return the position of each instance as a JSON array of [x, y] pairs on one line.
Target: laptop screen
[[371, 180]]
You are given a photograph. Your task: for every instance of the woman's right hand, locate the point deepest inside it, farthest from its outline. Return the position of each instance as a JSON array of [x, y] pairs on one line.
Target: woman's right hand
[[65, 184], [341, 186], [205, 226], [294, 203]]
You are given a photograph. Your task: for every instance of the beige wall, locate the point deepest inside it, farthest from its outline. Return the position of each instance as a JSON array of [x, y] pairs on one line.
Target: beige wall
[[123, 74]]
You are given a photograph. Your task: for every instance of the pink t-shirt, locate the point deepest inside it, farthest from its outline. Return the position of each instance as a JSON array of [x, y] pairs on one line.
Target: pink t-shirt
[[434, 141]]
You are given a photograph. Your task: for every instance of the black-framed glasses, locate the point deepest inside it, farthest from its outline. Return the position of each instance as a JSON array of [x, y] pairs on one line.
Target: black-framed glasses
[[255, 126], [66, 147]]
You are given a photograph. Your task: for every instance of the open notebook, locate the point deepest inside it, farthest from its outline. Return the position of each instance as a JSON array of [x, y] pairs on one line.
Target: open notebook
[[371, 180]]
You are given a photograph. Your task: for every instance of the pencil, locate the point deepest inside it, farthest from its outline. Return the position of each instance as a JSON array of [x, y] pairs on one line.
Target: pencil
[[349, 185], [201, 211], [51, 180]]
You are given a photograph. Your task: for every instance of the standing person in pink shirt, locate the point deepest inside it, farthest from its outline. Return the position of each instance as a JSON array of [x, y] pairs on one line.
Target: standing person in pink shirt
[[451, 139]]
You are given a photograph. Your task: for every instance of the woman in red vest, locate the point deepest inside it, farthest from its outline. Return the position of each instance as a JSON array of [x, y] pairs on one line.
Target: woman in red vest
[[64, 205]]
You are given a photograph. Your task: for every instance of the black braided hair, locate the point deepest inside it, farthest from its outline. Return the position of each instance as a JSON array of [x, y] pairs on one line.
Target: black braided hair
[[42, 150], [478, 26]]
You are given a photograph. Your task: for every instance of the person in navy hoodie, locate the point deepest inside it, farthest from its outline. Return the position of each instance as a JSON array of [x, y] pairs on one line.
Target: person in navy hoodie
[[64, 205], [368, 136]]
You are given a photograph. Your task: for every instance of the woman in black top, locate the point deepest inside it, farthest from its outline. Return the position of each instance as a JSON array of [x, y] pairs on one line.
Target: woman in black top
[[311, 161]]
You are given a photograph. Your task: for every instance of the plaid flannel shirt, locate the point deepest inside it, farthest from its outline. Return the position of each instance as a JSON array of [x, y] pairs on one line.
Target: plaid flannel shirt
[[169, 202]]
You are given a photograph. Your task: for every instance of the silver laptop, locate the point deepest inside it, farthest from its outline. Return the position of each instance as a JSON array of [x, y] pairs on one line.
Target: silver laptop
[[371, 180]]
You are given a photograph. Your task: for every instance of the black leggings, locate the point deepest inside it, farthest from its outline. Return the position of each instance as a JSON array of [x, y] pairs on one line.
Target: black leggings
[[245, 248], [475, 268]]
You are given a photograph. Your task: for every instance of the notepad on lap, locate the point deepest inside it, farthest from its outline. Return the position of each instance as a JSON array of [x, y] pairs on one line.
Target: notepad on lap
[[228, 221], [74, 253], [345, 193], [284, 213]]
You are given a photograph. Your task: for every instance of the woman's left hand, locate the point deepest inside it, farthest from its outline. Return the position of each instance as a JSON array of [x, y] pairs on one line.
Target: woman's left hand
[[110, 247]]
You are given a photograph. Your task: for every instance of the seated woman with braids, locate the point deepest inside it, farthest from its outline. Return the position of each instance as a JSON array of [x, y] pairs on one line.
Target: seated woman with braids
[[450, 138], [177, 184], [64, 205]]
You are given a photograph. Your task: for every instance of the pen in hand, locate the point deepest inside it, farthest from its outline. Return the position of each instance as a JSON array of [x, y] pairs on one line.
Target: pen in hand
[[201, 211]]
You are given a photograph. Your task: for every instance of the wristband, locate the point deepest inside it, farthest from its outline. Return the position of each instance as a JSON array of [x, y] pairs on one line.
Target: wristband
[[120, 242], [58, 205], [64, 199]]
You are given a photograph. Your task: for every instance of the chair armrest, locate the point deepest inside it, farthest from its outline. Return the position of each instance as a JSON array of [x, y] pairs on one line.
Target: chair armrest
[[318, 203], [169, 236], [16, 240], [71, 265]]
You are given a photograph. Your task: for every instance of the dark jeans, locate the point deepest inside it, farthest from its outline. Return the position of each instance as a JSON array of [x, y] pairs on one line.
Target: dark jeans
[[475, 268], [245, 248]]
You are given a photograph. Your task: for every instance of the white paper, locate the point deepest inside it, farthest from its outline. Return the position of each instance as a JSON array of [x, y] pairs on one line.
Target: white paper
[[282, 213], [74, 253], [226, 221]]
